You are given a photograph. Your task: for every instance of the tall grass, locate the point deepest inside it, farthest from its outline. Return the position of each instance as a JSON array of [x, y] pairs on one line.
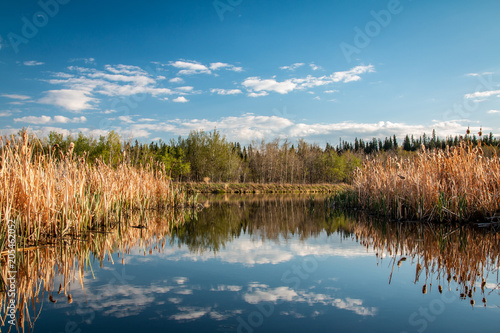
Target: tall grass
[[455, 184], [53, 194]]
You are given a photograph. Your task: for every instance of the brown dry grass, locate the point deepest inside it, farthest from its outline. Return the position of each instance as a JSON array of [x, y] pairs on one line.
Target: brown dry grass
[[50, 195], [458, 184]]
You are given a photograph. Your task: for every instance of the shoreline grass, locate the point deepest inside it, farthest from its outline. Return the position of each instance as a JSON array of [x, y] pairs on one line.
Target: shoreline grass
[[53, 194], [458, 184], [250, 188]]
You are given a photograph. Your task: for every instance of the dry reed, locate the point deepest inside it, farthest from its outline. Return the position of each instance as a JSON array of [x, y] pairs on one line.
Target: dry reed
[[457, 184], [50, 195]]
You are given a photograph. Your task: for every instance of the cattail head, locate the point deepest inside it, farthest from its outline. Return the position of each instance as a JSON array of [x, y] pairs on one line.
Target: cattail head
[[71, 147], [480, 132], [468, 131]]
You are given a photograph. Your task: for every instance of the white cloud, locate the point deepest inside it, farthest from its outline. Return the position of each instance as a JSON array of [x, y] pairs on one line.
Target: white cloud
[[190, 67], [125, 69], [493, 111], [351, 75], [45, 130], [117, 80], [73, 100], [226, 91], [483, 94], [262, 93], [330, 91], [293, 67], [85, 60], [33, 63], [221, 65], [42, 120], [255, 84], [317, 98], [314, 67], [262, 293], [190, 313], [248, 127], [5, 113], [180, 99], [65, 120], [176, 80], [126, 119], [185, 89], [15, 96], [34, 120]]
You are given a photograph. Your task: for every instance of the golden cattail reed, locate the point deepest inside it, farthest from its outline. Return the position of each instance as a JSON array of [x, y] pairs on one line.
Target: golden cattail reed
[[456, 184], [50, 195]]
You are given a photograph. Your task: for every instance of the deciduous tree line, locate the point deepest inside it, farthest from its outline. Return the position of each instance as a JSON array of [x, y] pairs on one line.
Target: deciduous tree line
[[209, 156]]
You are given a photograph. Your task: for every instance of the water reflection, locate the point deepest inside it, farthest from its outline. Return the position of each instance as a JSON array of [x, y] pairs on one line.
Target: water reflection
[[248, 240]]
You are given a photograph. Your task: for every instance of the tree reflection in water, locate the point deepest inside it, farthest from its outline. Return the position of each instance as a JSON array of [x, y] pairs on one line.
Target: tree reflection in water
[[439, 253]]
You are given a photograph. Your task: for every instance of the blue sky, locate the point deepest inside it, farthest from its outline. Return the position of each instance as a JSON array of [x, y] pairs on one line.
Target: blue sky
[[317, 70]]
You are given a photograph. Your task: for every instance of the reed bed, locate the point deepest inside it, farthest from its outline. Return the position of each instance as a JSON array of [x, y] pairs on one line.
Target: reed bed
[[455, 184], [56, 193]]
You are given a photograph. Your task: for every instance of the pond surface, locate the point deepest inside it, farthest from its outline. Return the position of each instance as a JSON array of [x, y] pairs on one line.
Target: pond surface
[[267, 264]]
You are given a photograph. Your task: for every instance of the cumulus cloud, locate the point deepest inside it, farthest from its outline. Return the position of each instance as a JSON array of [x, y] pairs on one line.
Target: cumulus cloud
[[256, 86], [5, 113], [69, 99], [82, 85], [248, 127], [190, 67], [65, 120], [33, 63], [180, 99], [493, 111]]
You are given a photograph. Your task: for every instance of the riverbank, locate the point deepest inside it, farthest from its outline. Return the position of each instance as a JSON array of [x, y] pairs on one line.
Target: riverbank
[[244, 188]]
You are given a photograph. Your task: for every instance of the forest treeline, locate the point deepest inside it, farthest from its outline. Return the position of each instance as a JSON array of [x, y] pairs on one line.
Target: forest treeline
[[209, 156]]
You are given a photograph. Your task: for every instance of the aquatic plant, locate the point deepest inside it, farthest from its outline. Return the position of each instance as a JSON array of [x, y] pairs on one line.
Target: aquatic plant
[[53, 194], [455, 184]]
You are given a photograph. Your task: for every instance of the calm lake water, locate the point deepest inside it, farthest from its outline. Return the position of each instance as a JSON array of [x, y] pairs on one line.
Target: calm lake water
[[268, 264]]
